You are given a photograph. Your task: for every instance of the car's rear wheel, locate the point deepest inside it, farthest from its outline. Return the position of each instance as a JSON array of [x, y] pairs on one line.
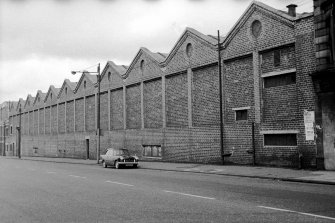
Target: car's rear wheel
[[117, 165], [104, 165]]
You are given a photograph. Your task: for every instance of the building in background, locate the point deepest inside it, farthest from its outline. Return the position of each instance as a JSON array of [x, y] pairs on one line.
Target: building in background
[[324, 82], [166, 106]]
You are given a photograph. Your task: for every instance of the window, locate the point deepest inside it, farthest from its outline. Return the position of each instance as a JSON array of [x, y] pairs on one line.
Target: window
[[109, 76], [189, 49], [11, 130], [84, 84], [142, 65], [241, 115], [276, 58], [280, 139], [152, 151], [65, 90], [256, 28], [51, 95], [279, 80]]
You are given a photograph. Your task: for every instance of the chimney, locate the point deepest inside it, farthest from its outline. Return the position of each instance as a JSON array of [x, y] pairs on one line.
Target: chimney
[[291, 10]]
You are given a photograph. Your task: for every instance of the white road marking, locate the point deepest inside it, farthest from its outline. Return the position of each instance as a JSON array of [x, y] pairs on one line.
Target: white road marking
[[113, 182], [50, 172], [77, 176], [297, 212], [191, 195]]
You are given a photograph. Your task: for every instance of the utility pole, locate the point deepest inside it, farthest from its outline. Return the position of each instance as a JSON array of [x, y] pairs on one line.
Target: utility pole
[[98, 115], [220, 95], [19, 135]]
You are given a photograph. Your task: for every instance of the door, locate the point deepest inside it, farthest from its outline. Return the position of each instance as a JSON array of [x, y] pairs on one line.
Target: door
[[87, 149]]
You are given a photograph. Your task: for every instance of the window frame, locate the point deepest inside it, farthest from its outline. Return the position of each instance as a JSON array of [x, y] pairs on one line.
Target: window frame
[[283, 133]]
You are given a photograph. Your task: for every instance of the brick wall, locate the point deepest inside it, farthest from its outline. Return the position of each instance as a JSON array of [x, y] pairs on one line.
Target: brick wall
[[176, 101], [41, 121], [90, 118], [70, 116], [133, 106], [152, 96], [205, 97], [79, 117], [116, 109], [61, 118], [104, 124]]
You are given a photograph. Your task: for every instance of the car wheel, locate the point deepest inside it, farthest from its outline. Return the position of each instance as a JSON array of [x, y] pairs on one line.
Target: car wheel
[[117, 165], [104, 165]]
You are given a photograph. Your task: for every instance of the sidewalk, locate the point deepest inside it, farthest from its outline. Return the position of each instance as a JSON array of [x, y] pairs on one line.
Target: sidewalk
[[284, 174]]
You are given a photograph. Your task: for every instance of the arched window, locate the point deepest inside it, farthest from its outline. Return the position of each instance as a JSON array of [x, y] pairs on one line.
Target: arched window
[[65, 90], [109, 76], [142, 65], [189, 49], [51, 95], [84, 84]]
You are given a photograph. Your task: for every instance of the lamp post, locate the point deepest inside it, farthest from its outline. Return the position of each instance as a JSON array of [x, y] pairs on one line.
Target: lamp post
[[98, 105]]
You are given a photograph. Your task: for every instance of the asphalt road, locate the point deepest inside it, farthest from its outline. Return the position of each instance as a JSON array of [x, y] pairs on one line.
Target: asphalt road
[[33, 191]]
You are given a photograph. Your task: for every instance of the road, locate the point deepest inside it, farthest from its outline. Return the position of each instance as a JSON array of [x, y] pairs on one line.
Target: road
[[35, 191]]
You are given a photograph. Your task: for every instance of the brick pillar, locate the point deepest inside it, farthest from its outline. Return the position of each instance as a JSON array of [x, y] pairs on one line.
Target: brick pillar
[[257, 87], [163, 102], [189, 95]]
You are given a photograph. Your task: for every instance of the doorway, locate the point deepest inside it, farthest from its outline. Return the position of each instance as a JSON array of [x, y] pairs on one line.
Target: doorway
[[87, 148]]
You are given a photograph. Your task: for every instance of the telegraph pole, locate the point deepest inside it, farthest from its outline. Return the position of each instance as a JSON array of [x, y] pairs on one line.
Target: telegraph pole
[[220, 95], [19, 135], [98, 115]]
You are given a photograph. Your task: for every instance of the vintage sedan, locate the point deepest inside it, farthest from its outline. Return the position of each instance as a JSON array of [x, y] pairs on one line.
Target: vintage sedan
[[118, 158]]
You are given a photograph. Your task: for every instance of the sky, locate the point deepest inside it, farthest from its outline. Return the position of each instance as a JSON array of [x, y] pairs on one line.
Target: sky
[[42, 41]]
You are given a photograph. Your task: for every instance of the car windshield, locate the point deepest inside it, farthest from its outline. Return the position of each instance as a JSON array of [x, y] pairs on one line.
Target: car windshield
[[122, 152]]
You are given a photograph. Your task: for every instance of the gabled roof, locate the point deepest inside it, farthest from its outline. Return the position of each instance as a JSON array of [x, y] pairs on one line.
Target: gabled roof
[[12, 105], [30, 99], [156, 57], [92, 78], [72, 86], [53, 90], [206, 39], [119, 69], [21, 103], [281, 15], [41, 95]]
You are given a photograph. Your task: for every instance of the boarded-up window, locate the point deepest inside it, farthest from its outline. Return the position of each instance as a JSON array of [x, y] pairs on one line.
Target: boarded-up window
[[279, 80], [61, 118], [54, 119], [47, 120], [41, 121], [280, 139]]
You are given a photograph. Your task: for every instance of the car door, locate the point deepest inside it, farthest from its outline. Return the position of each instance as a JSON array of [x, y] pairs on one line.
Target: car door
[[109, 157]]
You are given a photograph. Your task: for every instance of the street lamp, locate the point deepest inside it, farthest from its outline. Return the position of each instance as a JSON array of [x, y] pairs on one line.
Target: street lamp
[[98, 106], [19, 133]]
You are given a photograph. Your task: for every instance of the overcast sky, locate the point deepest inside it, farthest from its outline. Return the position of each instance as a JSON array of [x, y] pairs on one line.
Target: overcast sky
[[41, 41]]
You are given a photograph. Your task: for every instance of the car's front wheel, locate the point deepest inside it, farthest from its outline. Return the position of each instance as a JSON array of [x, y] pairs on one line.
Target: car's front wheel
[[104, 165], [117, 165]]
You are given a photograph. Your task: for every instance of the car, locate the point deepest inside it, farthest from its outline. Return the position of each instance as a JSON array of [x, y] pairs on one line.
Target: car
[[118, 158]]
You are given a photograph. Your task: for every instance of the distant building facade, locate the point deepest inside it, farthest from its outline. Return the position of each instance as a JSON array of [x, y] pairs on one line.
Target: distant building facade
[[166, 106], [324, 81]]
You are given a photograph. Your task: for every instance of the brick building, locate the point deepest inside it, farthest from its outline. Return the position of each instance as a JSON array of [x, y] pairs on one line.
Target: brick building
[[166, 106], [324, 82]]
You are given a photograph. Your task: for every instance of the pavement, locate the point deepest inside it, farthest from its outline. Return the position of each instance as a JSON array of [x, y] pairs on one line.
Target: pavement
[[274, 173]]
